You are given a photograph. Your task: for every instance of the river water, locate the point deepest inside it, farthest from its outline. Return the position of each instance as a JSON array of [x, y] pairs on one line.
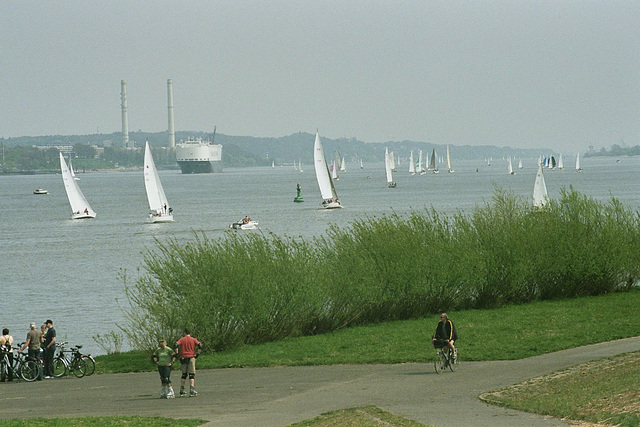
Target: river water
[[69, 270]]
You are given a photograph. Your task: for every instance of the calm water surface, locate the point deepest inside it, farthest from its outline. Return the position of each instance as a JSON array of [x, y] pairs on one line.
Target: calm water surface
[[68, 270]]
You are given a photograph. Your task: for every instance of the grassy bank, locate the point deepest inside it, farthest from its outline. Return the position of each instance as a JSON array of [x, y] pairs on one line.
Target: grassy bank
[[602, 391], [531, 329]]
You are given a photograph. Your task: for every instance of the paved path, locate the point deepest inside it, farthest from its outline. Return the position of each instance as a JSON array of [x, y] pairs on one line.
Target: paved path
[[280, 396]]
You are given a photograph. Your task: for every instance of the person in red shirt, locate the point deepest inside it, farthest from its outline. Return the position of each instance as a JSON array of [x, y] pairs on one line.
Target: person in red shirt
[[188, 348]]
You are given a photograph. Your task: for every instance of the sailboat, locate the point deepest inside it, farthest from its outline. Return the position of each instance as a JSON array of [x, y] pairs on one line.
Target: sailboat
[[520, 164], [361, 165], [73, 174], [327, 189], [449, 169], [334, 171], [540, 196], [343, 165], [392, 161], [511, 172], [578, 168], [159, 209], [560, 163], [80, 208], [412, 165], [432, 164], [388, 169], [421, 170]]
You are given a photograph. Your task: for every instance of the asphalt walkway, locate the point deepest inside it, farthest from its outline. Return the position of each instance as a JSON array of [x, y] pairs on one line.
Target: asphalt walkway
[[283, 395]]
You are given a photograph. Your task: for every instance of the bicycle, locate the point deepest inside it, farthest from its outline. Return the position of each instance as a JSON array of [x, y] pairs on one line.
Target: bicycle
[[22, 367], [443, 360], [62, 364], [91, 363]]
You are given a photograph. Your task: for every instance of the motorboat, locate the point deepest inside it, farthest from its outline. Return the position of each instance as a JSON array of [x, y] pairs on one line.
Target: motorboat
[[40, 191]]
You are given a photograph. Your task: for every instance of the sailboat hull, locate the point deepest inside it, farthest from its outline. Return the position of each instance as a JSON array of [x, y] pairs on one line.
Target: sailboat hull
[[157, 219], [331, 205], [83, 215]]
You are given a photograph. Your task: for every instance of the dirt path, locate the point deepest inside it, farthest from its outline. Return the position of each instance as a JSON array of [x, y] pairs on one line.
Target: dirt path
[[280, 396]]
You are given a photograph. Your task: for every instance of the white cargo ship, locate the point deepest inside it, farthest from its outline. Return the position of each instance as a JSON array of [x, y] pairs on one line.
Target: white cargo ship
[[198, 156]]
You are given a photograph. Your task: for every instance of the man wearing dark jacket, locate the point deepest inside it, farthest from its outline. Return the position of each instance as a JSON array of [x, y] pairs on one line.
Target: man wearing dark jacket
[[445, 335]]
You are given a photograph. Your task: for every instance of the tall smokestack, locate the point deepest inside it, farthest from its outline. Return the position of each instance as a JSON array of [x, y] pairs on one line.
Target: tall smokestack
[[125, 118], [172, 134]]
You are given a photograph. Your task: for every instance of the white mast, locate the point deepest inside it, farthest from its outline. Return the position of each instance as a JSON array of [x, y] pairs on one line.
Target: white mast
[[125, 118], [172, 135]]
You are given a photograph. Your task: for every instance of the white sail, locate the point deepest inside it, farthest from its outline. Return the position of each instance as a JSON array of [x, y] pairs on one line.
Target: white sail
[[80, 208], [159, 209], [343, 164], [520, 164], [412, 165], [421, 170], [388, 168], [540, 196], [334, 171], [361, 165], [392, 161], [578, 168], [510, 168], [432, 164], [73, 174], [449, 169], [327, 189], [560, 163]]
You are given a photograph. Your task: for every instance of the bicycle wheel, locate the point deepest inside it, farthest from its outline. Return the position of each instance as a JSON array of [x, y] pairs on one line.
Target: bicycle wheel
[[91, 365], [439, 363], [453, 363], [60, 366], [29, 370], [78, 367]]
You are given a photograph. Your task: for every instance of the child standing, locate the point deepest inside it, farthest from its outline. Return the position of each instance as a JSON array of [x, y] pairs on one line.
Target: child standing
[[164, 357]]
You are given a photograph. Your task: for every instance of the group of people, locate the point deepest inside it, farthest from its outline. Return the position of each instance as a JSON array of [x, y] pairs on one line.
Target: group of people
[[187, 350], [40, 344]]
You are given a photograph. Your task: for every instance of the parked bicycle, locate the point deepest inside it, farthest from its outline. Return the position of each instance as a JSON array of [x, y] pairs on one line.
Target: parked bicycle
[[443, 360], [69, 361], [22, 367]]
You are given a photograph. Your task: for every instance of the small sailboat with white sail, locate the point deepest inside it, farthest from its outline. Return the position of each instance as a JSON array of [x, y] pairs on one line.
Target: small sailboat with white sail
[[73, 174], [578, 168], [412, 165], [421, 169], [560, 163], [388, 169], [159, 209], [449, 168], [325, 183], [520, 164], [510, 168], [80, 208], [540, 196]]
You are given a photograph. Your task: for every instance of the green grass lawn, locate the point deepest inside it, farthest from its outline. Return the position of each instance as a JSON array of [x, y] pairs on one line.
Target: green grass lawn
[[530, 329]]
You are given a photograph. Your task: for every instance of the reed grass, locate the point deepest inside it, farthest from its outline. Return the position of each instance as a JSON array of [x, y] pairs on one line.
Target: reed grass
[[258, 287]]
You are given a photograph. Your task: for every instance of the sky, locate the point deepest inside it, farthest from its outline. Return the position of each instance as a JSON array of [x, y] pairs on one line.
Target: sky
[[560, 73]]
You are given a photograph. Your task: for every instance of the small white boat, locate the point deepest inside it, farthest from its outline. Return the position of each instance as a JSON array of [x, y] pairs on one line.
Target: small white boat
[[388, 168], [449, 168], [325, 183], [510, 168], [540, 195], [159, 209], [80, 208], [244, 224], [40, 191], [578, 168]]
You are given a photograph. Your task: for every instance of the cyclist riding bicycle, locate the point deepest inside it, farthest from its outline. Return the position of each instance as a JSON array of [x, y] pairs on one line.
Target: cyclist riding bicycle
[[445, 335]]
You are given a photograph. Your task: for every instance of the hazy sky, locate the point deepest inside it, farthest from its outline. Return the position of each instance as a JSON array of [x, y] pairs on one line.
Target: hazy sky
[[559, 74]]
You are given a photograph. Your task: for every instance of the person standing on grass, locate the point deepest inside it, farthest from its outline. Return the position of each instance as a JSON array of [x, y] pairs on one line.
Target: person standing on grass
[[189, 349], [49, 349], [164, 357], [445, 335]]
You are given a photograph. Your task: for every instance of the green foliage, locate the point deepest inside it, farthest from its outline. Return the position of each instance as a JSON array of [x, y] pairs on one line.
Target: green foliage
[[254, 288]]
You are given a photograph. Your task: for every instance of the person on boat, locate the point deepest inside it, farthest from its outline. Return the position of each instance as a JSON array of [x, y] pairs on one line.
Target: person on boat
[[445, 335], [86, 211], [246, 219]]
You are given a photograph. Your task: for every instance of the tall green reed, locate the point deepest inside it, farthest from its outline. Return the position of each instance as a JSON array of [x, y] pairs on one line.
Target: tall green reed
[[256, 287]]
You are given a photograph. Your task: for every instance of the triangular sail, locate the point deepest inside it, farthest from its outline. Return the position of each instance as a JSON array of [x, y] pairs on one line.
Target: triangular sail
[[449, 169], [387, 165], [412, 165], [79, 206], [432, 163], [158, 203], [540, 196], [325, 184], [578, 168]]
